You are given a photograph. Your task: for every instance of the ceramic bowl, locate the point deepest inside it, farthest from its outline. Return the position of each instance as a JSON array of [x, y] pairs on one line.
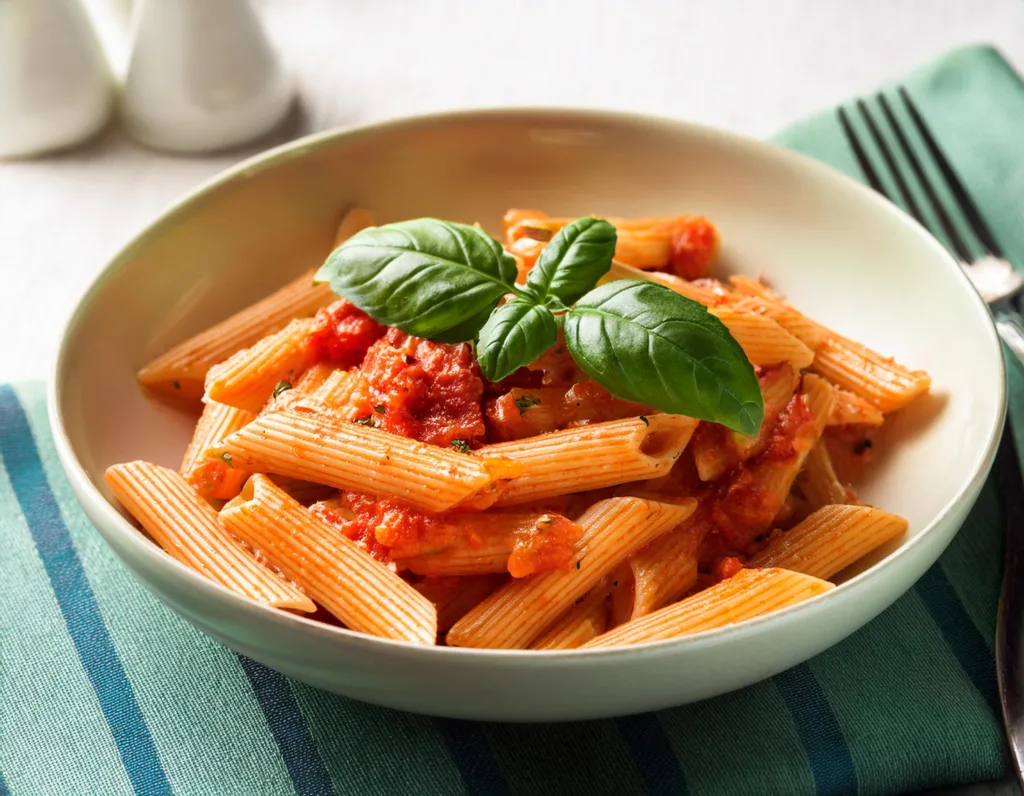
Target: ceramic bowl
[[841, 254]]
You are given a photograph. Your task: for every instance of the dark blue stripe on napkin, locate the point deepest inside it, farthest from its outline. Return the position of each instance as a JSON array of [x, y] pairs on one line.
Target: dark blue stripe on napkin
[[653, 754], [829, 756], [960, 633], [301, 757], [467, 744], [4, 791], [77, 602]]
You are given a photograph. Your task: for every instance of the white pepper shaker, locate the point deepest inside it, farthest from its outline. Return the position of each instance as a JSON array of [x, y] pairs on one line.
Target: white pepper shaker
[[201, 76], [55, 86]]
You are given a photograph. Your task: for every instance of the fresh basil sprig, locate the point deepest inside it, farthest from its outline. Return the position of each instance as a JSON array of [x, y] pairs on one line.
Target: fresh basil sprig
[[430, 278], [640, 340], [646, 343]]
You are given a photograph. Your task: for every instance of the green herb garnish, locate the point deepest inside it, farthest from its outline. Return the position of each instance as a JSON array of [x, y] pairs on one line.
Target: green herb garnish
[[524, 402], [646, 421], [369, 420], [281, 387], [176, 385], [639, 340], [578, 564], [380, 409], [461, 445], [226, 458]]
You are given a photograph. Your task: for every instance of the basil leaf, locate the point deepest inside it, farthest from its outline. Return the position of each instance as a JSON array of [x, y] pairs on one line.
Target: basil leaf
[[465, 331], [514, 336], [424, 276], [575, 259], [645, 343]]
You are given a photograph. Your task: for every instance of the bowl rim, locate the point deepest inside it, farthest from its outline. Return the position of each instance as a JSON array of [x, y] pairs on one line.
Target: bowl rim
[[95, 503]]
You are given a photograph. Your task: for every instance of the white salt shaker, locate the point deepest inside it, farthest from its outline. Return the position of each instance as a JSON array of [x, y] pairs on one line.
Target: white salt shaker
[[201, 76], [55, 87]]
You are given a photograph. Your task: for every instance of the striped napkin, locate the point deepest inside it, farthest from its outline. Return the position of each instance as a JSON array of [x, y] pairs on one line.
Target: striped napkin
[[105, 691]]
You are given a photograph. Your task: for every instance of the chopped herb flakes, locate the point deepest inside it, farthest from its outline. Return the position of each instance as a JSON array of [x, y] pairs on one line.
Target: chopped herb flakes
[[226, 458], [281, 387], [369, 420], [646, 421], [578, 564], [380, 409], [460, 445], [524, 402], [177, 385]]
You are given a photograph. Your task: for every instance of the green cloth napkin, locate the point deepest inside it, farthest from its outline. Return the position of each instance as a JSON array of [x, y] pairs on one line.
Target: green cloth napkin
[[105, 691]]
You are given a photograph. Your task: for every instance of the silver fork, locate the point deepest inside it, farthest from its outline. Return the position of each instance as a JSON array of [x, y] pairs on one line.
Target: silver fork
[[1000, 286]]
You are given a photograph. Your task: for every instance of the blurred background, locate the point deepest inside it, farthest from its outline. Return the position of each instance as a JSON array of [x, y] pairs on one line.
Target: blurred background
[[752, 66]]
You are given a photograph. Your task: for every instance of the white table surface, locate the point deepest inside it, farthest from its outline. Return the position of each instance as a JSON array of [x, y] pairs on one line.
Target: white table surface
[[746, 65]]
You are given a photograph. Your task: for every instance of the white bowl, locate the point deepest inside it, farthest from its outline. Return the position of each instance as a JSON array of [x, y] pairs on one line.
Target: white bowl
[[848, 258]]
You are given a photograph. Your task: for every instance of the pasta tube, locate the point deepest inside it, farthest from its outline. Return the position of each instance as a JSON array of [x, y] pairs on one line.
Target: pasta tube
[[515, 615], [187, 528], [830, 539], [358, 590], [592, 456], [747, 594]]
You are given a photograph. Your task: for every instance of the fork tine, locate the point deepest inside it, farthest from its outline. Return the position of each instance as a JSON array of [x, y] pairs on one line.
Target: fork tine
[[883, 147], [860, 154], [947, 225], [963, 198]]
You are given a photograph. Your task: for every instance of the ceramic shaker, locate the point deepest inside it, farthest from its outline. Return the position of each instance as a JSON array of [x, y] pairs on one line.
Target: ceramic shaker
[[55, 87], [201, 76]]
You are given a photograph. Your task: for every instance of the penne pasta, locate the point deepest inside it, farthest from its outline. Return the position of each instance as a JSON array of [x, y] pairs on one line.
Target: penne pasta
[[248, 379], [182, 370], [852, 410], [334, 452], [454, 597], [420, 492], [699, 293], [287, 395], [214, 477], [687, 244], [592, 456], [515, 615], [748, 594], [187, 528], [490, 542], [879, 380], [666, 569], [361, 592], [830, 540], [343, 389], [818, 480], [763, 340], [585, 620]]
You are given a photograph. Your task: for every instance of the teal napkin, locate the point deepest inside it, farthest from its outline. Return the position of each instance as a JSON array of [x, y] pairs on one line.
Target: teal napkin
[[105, 691]]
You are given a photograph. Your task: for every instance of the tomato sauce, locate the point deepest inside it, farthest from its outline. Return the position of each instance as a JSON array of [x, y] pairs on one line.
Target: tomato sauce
[[429, 391], [342, 334], [694, 246], [524, 412], [549, 546]]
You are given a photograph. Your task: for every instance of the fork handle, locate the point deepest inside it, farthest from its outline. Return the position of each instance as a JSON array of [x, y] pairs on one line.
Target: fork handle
[[1012, 332]]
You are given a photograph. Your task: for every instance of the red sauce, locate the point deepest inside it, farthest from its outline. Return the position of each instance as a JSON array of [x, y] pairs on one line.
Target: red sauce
[[792, 424], [694, 246], [743, 510], [547, 547], [390, 529], [522, 413], [724, 568], [429, 391], [342, 334]]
